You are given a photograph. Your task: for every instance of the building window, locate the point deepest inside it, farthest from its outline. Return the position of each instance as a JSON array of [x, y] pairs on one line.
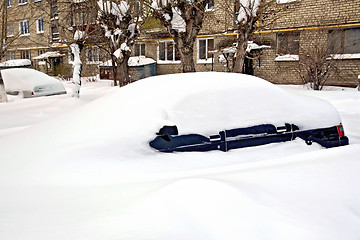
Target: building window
[[55, 33], [10, 55], [8, 3], [24, 27], [93, 54], [167, 52], [344, 41], [285, 1], [288, 43], [23, 2], [139, 49], [205, 46], [210, 6], [54, 8], [10, 30], [37, 0], [25, 54], [40, 25], [41, 51], [137, 7]]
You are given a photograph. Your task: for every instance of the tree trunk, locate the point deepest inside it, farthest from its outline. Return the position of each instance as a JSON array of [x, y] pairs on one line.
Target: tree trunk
[[186, 50], [240, 54], [114, 69], [187, 63], [123, 71], [3, 97], [75, 49]]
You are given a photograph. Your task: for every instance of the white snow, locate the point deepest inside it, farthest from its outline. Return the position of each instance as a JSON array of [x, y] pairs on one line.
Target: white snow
[[79, 35], [287, 58], [177, 22], [345, 56], [248, 8], [81, 168], [48, 55], [140, 61], [110, 7], [134, 61], [16, 63]]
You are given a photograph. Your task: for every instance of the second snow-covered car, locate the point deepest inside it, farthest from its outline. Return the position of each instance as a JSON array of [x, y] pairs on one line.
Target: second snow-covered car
[[224, 111], [30, 83]]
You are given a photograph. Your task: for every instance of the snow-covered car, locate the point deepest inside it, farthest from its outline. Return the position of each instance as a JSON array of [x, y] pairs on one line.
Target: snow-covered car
[[30, 83], [226, 111]]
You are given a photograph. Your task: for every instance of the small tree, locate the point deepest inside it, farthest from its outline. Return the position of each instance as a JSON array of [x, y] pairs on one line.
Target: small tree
[[120, 20], [3, 7], [75, 23], [183, 20], [252, 15], [316, 65]]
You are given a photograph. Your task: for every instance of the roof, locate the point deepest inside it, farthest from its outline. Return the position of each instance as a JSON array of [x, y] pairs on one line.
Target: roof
[[48, 55], [133, 62]]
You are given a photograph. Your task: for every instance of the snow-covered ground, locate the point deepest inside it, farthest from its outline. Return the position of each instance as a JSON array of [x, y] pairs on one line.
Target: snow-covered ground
[[71, 170]]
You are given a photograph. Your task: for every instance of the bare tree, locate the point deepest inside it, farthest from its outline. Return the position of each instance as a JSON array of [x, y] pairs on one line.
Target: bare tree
[[120, 21], [315, 67], [183, 20], [74, 21], [317, 63], [3, 25]]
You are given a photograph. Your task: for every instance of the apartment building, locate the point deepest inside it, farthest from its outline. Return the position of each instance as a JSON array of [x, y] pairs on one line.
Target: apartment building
[[34, 32], [30, 29], [279, 44], [301, 24]]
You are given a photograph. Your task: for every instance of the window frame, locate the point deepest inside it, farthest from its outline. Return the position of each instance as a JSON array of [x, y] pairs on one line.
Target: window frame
[[96, 56], [207, 59], [287, 50], [166, 51], [141, 51], [38, 30], [26, 27], [12, 34], [10, 55], [343, 40], [22, 2], [212, 6], [25, 54]]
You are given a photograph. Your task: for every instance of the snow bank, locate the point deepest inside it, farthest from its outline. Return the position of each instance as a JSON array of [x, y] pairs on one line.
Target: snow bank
[[82, 169]]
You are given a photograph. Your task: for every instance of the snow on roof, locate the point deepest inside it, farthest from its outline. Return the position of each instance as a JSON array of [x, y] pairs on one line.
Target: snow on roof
[[250, 46], [133, 61], [48, 55], [140, 61], [16, 63]]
